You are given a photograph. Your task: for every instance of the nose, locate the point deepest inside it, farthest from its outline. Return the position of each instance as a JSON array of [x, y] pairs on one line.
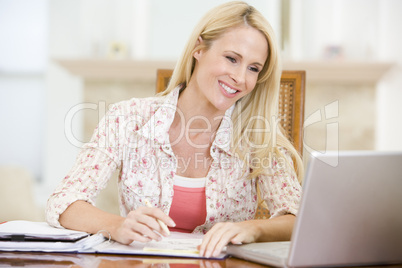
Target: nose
[[239, 75]]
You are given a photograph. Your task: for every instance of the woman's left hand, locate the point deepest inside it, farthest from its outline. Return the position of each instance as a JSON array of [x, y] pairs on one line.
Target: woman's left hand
[[224, 233]]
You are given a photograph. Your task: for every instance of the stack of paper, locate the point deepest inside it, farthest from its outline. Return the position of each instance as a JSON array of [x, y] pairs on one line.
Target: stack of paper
[[39, 236], [28, 230]]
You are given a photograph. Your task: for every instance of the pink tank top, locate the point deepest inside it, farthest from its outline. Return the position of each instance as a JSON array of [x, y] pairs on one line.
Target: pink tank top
[[188, 208]]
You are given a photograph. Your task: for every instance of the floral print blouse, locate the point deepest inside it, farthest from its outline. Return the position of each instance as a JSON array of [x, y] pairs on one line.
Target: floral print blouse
[[134, 137]]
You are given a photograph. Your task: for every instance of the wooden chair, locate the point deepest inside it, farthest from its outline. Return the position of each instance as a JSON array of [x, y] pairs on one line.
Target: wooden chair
[[291, 109]]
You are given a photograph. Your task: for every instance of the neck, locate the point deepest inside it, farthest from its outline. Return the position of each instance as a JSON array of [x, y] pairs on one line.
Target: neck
[[197, 113]]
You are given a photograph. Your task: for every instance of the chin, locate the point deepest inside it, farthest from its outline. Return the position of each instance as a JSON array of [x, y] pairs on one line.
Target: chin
[[223, 106], [222, 103]]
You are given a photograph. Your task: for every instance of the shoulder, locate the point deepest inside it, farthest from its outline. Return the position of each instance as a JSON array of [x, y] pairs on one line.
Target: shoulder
[[278, 161], [284, 152], [136, 105], [146, 106], [136, 109]]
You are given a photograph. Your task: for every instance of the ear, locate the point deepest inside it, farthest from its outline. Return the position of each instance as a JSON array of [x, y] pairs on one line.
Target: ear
[[197, 54]]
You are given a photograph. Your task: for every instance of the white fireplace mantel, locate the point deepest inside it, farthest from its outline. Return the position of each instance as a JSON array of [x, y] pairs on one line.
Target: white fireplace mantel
[[341, 72], [358, 72], [107, 69]]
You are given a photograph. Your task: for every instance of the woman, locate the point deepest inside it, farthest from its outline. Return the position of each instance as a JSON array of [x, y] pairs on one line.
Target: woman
[[203, 153]]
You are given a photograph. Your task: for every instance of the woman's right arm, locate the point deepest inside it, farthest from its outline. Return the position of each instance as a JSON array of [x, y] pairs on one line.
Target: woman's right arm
[[139, 225], [72, 203]]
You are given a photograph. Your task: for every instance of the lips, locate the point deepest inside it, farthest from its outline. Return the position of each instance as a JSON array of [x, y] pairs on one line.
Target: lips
[[228, 89]]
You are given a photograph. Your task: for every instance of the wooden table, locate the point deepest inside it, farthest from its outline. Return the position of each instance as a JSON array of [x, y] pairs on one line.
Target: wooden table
[[121, 261], [106, 260]]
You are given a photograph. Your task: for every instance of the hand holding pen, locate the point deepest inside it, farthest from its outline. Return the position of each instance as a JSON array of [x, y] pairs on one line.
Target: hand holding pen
[[144, 224], [161, 223]]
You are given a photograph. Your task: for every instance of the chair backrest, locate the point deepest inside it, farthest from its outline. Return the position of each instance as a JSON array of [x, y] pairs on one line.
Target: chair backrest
[[291, 111]]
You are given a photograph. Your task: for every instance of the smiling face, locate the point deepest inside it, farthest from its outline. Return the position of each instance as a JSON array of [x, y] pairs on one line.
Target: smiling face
[[229, 69]]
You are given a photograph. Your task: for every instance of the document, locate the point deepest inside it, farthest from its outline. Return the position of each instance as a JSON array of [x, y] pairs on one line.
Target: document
[[40, 237], [81, 245], [29, 230], [60, 240], [176, 245]]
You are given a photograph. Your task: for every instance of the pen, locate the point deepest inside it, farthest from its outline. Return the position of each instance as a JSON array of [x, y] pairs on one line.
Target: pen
[[161, 223]]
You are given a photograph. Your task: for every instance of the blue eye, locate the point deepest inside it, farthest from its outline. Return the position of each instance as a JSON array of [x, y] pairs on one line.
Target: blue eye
[[254, 69], [232, 60]]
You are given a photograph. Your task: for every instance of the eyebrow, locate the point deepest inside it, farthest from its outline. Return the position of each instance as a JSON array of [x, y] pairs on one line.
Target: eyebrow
[[239, 55]]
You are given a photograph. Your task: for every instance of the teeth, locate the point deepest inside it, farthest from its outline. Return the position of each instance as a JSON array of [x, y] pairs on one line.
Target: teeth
[[228, 89]]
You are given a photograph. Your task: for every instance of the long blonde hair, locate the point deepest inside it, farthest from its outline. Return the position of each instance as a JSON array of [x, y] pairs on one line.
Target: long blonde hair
[[261, 103]]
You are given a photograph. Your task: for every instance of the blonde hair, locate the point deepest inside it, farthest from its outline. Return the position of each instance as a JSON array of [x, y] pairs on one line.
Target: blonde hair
[[261, 103]]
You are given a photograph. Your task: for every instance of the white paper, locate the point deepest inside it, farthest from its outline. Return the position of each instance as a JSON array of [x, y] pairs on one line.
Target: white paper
[[40, 230], [79, 246], [176, 245]]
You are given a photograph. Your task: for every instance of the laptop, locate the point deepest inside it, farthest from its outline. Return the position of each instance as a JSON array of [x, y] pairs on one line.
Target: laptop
[[350, 215]]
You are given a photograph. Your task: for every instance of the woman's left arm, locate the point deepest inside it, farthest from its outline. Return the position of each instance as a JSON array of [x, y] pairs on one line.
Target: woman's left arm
[[281, 192], [274, 229]]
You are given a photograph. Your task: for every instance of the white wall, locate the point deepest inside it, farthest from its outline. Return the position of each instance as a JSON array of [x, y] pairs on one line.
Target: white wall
[[23, 45], [350, 25], [23, 52], [22, 98], [63, 91], [389, 92], [149, 29], [172, 22]]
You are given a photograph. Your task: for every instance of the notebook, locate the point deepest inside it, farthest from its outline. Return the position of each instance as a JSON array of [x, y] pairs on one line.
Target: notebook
[[350, 214]]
